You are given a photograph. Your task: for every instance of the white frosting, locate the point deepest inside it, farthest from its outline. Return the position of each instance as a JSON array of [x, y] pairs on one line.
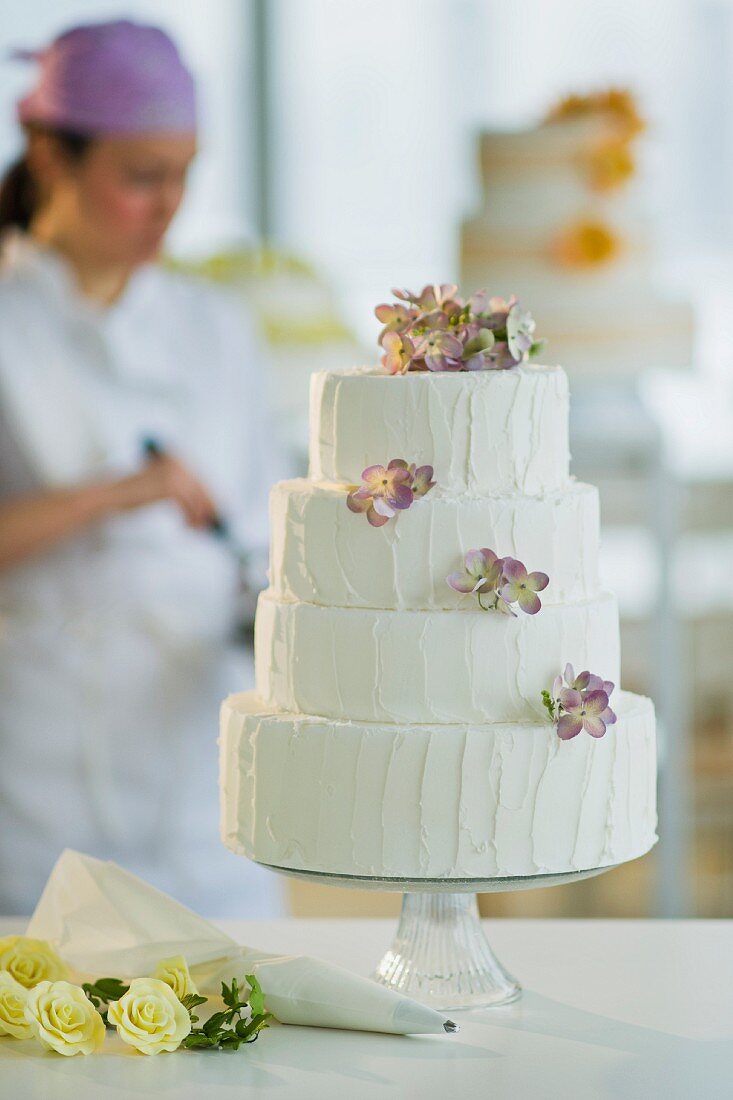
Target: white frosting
[[435, 801], [426, 666], [483, 432], [323, 553], [397, 729]]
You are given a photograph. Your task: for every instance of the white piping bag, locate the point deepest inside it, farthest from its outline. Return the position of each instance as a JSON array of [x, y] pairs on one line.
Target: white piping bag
[[106, 922]]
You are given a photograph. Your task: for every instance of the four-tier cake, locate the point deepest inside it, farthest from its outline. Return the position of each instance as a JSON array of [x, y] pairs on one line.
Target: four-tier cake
[[417, 713]]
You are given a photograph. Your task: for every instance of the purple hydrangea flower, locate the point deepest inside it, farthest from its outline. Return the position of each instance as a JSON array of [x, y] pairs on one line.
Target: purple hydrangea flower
[[385, 490], [422, 481], [482, 573], [582, 711], [503, 580], [579, 703], [522, 587]]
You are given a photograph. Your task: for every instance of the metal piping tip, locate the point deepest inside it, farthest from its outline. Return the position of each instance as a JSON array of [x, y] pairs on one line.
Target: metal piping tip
[[450, 1027]]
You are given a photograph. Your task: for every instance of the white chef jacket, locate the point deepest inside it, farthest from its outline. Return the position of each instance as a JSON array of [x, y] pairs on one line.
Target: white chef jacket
[[115, 644]]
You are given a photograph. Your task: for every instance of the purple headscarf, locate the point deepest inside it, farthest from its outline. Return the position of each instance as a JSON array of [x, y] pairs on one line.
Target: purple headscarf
[[111, 78]]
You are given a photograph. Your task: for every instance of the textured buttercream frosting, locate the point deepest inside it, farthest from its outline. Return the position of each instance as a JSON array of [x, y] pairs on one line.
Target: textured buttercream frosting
[[398, 729], [321, 553], [495, 431], [374, 664], [436, 801]]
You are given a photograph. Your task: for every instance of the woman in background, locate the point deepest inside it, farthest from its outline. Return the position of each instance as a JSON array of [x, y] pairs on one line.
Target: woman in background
[[116, 600]]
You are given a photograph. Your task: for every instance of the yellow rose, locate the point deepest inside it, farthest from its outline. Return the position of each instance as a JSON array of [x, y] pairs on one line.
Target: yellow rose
[[62, 1017], [150, 1017], [31, 961], [12, 1007], [175, 973]]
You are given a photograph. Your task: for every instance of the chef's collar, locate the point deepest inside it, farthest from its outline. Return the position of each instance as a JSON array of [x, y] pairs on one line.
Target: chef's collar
[[21, 253]]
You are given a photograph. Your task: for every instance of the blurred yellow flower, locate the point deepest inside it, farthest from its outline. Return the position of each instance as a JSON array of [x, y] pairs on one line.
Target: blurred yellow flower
[[13, 997], [586, 243], [609, 164], [617, 104], [31, 961], [175, 973], [150, 1017], [64, 1019]]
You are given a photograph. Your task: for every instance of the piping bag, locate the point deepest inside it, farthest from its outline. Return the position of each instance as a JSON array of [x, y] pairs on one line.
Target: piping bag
[[106, 922]]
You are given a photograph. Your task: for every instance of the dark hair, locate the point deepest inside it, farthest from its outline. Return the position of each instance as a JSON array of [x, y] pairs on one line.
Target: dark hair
[[19, 193]]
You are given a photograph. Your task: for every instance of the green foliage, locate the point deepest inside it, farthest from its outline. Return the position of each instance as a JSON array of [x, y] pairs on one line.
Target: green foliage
[[101, 992], [549, 704], [228, 1029]]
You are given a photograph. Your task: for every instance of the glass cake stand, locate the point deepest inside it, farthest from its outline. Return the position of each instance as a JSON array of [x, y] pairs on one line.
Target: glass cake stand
[[440, 955]]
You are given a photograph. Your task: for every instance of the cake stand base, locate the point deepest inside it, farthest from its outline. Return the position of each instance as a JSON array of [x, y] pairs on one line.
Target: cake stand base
[[440, 955]]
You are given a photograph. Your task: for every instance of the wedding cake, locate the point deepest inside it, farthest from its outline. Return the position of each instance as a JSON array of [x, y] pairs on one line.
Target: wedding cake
[[565, 222], [426, 705]]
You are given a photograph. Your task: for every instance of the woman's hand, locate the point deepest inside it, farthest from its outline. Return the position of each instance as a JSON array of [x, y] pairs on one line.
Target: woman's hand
[[29, 525], [164, 478]]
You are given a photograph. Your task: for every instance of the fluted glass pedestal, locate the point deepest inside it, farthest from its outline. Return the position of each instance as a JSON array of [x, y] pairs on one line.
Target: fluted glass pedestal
[[440, 955]]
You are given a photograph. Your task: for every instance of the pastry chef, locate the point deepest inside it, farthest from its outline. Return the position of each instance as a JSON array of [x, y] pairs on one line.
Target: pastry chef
[[133, 419]]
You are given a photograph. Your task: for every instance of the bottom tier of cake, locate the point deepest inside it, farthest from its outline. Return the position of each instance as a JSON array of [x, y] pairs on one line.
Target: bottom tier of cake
[[435, 801]]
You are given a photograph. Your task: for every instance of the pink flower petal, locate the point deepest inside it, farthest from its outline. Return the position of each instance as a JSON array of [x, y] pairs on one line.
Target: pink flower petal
[[608, 716], [595, 702], [510, 592], [475, 562], [372, 473], [596, 727], [571, 699], [514, 570], [569, 726], [391, 341], [383, 508], [528, 601], [569, 675], [537, 581], [400, 496], [489, 556], [398, 464], [461, 582], [376, 519], [358, 503]]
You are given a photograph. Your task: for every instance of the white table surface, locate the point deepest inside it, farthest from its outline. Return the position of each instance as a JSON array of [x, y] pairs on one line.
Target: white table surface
[[625, 1009]]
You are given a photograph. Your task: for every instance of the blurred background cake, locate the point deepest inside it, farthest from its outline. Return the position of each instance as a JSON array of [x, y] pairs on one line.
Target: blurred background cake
[[565, 223]]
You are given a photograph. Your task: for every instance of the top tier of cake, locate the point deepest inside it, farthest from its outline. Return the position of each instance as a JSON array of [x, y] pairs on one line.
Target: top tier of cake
[[488, 433]]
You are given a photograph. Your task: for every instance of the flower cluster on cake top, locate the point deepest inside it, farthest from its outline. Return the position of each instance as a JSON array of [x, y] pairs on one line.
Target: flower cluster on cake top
[[386, 490], [502, 582], [436, 330], [579, 703]]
